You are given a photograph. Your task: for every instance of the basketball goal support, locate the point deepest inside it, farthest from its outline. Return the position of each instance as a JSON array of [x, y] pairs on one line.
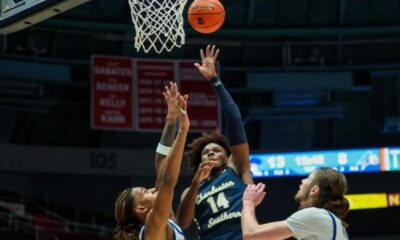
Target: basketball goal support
[[16, 15]]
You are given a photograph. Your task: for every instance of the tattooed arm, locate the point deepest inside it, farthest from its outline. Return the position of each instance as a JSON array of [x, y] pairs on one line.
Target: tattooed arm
[[168, 135]]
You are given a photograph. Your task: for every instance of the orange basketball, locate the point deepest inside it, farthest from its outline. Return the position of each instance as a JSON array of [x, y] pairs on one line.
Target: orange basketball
[[206, 16]]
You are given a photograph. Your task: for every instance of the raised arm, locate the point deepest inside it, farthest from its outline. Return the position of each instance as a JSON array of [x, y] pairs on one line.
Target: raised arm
[[185, 212], [251, 229], [168, 134], [234, 125], [157, 219]]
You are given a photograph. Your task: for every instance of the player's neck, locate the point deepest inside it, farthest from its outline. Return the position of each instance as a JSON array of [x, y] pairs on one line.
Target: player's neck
[[215, 174]]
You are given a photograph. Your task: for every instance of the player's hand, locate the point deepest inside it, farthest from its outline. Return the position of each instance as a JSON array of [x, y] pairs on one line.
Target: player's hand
[[254, 194], [183, 115], [170, 93], [203, 171], [207, 67]]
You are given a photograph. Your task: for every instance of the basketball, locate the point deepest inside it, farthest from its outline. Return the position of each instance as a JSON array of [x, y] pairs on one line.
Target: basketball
[[206, 16]]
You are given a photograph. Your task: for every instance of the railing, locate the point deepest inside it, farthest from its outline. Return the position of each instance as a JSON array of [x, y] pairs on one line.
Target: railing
[[46, 229], [23, 227]]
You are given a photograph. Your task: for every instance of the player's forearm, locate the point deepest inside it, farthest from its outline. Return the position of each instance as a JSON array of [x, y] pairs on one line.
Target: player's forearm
[[168, 134], [234, 124], [249, 222], [174, 159], [185, 213], [167, 139], [252, 230], [220, 90]]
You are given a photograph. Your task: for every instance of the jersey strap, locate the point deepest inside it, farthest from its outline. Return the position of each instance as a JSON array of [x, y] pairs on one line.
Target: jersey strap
[[176, 229], [334, 225]]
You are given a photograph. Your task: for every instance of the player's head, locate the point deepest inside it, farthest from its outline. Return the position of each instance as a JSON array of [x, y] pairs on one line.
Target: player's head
[[131, 209], [324, 188], [210, 146]]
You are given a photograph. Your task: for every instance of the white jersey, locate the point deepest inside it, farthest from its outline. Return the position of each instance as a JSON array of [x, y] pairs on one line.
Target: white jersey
[[316, 224], [177, 235]]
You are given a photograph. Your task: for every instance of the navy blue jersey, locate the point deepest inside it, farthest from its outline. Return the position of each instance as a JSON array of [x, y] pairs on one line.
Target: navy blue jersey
[[219, 207]]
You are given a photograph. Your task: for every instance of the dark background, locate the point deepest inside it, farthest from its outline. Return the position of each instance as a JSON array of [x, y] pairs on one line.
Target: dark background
[[361, 37]]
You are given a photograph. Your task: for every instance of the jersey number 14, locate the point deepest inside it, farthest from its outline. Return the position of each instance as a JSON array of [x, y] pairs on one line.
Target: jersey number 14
[[221, 202]]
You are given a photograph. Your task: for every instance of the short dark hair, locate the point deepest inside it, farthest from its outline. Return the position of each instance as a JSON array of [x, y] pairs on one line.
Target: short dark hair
[[197, 145]]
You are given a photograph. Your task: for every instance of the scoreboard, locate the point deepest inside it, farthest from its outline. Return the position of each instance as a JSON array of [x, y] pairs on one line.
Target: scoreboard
[[345, 160], [391, 159]]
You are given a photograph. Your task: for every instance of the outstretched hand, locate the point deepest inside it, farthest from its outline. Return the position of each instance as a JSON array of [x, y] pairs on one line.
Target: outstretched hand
[[254, 194], [170, 96], [207, 67]]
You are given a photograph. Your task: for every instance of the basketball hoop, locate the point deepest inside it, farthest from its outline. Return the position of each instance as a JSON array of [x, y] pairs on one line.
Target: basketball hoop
[[158, 24]]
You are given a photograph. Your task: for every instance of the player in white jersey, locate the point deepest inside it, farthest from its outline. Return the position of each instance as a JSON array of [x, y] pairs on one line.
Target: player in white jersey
[[322, 209], [145, 213]]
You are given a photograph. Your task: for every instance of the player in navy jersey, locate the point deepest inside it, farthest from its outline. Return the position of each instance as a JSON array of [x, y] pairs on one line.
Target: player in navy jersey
[[145, 214], [221, 166]]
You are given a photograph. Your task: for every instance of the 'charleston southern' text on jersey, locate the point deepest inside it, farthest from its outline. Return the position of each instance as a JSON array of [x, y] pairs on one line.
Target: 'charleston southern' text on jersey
[[219, 206]]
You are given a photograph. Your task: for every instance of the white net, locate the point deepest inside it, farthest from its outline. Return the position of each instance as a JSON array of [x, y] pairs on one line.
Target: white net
[[158, 24]]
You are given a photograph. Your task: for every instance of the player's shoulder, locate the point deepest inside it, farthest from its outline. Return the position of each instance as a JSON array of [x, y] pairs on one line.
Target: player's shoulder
[[309, 218], [313, 210], [312, 214], [231, 171]]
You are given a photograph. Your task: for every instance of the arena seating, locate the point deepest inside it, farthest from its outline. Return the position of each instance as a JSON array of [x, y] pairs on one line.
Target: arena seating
[[23, 219]]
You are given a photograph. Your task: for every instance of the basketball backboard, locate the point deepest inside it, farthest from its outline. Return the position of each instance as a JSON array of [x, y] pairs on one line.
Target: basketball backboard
[[16, 15]]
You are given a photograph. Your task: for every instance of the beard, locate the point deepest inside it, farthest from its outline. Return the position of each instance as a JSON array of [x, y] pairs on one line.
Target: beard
[[219, 167], [303, 199], [298, 197]]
